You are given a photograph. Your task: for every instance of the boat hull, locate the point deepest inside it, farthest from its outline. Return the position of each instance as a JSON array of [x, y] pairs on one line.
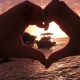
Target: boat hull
[[45, 44]]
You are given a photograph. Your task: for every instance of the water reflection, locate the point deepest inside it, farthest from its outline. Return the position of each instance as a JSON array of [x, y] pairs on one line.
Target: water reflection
[[27, 69]]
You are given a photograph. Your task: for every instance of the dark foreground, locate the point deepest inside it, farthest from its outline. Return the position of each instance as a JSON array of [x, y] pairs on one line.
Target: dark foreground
[[27, 69]]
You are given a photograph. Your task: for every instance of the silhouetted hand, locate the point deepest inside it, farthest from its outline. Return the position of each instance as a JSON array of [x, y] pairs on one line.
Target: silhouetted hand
[[69, 22], [12, 25]]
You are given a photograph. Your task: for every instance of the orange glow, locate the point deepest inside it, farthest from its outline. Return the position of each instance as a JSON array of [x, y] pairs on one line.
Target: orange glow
[[53, 28]]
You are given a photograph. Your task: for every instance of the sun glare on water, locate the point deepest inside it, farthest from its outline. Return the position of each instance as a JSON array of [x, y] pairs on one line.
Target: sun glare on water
[[53, 28]]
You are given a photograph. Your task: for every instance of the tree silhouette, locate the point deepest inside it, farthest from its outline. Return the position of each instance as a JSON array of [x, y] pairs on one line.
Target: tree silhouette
[[28, 38]]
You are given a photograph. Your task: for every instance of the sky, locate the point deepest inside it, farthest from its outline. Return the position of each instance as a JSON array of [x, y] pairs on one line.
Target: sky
[[73, 4], [6, 4]]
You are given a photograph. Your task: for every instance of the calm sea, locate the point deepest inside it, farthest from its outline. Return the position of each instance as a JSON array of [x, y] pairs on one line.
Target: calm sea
[[27, 69]]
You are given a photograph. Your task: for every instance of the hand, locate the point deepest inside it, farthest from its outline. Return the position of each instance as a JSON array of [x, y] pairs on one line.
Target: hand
[[59, 12], [12, 25]]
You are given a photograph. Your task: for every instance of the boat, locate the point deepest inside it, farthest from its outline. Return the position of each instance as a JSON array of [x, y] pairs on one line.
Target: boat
[[46, 41]]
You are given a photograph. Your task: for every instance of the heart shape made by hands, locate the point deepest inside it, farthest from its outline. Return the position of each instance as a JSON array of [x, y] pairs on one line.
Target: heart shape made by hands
[[16, 20]]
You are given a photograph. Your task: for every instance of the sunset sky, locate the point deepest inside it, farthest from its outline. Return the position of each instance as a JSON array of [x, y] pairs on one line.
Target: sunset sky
[[53, 27]]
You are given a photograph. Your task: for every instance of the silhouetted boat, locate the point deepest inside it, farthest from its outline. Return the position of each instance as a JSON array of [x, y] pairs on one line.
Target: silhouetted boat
[[46, 41]]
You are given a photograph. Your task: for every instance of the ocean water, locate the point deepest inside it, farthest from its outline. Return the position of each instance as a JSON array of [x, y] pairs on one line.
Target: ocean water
[[27, 69]]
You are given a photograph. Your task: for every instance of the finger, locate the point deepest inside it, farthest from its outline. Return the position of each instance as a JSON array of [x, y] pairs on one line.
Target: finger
[[71, 49], [29, 52], [33, 13], [15, 49], [46, 26], [50, 10], [39, 17], [51, 59]]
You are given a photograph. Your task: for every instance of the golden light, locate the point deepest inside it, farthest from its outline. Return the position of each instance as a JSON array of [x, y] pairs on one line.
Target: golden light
[[53, 28]]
